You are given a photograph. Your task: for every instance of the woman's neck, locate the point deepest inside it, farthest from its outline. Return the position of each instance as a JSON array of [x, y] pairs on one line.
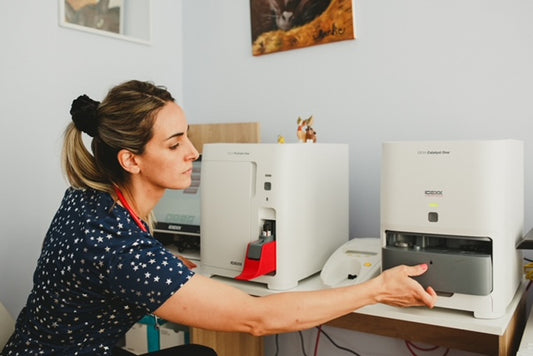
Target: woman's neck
[[140, 201]]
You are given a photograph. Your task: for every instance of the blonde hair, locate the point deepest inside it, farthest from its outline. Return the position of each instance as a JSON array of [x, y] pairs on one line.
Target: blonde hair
[[123, 120]]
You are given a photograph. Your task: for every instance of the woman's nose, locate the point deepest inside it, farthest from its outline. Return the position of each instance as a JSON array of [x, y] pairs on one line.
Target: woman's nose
[[194, 152]]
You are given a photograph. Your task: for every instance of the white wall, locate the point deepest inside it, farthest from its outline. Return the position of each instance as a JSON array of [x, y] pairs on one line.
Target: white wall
[[418, 70], [43, 67]]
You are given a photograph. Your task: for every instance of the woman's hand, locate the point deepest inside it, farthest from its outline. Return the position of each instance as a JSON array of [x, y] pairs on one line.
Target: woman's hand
[[397, 288]]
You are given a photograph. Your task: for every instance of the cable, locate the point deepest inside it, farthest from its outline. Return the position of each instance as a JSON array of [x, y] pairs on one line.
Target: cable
[[336, 345], [319, 328], [302, 342], [276, 338], [420, 348], [411, 345]]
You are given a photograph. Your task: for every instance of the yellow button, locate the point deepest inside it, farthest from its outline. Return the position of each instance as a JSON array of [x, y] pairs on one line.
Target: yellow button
[[368, 264]]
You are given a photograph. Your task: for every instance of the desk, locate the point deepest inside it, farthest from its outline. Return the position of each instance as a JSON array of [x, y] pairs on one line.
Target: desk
[[448, 328], [441, 327]]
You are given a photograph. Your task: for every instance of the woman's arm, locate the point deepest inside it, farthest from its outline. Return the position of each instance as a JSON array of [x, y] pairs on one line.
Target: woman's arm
[[208, 304]]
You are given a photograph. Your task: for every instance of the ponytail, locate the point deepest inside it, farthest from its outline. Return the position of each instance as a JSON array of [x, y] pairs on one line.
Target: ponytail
[[79, 164]]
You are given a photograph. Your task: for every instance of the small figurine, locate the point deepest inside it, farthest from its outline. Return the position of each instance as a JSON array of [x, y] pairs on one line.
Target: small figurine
[[310, 135], [305, 132], [281, 139], [300, 133]]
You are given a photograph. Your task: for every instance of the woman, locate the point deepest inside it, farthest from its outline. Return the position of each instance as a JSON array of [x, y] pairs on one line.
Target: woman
[[100, 269]]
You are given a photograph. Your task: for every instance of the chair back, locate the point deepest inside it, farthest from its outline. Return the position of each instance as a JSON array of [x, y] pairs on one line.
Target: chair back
[[7, 326]]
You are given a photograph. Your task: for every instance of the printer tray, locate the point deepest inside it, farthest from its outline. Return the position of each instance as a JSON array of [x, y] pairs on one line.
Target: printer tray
[[448, 273]]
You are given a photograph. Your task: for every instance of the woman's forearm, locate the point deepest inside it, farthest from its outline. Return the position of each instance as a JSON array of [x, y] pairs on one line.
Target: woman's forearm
[[208, 304], [287, 312]]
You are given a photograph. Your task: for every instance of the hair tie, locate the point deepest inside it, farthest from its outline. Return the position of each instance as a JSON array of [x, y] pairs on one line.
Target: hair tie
[[84, 114]]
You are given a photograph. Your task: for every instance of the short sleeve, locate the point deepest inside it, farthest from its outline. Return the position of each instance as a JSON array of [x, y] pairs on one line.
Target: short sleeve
[[146, 274]]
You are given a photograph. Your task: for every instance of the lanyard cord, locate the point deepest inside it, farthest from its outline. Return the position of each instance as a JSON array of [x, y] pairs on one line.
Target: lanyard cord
[[130, 210]]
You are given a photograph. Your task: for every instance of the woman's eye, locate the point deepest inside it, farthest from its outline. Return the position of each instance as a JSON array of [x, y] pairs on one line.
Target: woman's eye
[[173, 147]]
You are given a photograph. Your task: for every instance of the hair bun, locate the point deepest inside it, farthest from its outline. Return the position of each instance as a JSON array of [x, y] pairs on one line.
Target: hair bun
[[84, 114]]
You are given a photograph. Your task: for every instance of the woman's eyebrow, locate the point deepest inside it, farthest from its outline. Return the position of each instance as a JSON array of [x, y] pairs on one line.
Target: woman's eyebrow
[[178, 134]]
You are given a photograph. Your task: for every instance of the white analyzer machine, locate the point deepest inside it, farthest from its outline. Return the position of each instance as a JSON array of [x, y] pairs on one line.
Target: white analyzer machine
[[459, 207], [272, 213]]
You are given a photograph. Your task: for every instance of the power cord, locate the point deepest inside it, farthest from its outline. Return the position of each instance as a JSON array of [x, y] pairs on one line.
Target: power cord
[[321, 331], [318, 328], [301, 343], [412, 346]]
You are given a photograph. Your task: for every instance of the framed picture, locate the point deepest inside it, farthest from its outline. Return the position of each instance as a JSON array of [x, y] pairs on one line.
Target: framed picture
[[124, 19], [280, 25]]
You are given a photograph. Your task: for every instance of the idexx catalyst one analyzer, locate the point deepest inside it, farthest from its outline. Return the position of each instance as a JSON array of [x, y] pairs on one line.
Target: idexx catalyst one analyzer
[[457, 206]]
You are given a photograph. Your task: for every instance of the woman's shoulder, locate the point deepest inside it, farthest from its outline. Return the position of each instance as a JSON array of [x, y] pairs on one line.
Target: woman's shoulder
[[87, 200], [87, 195], [101, 222], [92, 207]]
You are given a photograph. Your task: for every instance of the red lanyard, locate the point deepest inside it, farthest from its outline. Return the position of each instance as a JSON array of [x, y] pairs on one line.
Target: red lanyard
[[130, 210]]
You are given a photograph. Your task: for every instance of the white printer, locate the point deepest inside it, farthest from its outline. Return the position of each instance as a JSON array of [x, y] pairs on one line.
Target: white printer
[[459, 207]]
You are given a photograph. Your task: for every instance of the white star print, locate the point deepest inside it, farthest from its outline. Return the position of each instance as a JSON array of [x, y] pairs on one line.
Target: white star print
[[101, 282]]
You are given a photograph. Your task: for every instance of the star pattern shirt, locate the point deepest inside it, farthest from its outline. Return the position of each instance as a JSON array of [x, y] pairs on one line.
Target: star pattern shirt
[[97, 275]]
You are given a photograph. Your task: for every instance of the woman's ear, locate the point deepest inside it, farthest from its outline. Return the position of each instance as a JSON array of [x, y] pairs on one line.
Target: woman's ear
[[128, 161]]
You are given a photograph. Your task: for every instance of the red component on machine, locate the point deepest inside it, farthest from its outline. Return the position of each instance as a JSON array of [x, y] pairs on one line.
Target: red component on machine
[[260, 259]]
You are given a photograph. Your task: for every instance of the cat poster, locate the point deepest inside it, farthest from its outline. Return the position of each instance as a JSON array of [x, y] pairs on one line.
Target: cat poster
[[281, 25]]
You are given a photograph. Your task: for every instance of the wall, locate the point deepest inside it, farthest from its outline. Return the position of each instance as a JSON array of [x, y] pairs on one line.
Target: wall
[[419, 70], [43, 68]]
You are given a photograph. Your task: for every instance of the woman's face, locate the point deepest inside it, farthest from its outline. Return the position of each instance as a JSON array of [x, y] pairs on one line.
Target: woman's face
[[168, 156]]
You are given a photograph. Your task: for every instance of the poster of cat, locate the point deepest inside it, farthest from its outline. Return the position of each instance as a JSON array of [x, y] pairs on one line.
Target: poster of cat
[[281, 25]]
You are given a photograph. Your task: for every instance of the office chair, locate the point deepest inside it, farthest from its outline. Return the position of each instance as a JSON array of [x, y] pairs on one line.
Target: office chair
[[184, 350], [7, 326]]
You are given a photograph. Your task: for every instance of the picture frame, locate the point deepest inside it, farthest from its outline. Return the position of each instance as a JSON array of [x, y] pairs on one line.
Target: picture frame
[[278, 25], [121, 19]]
